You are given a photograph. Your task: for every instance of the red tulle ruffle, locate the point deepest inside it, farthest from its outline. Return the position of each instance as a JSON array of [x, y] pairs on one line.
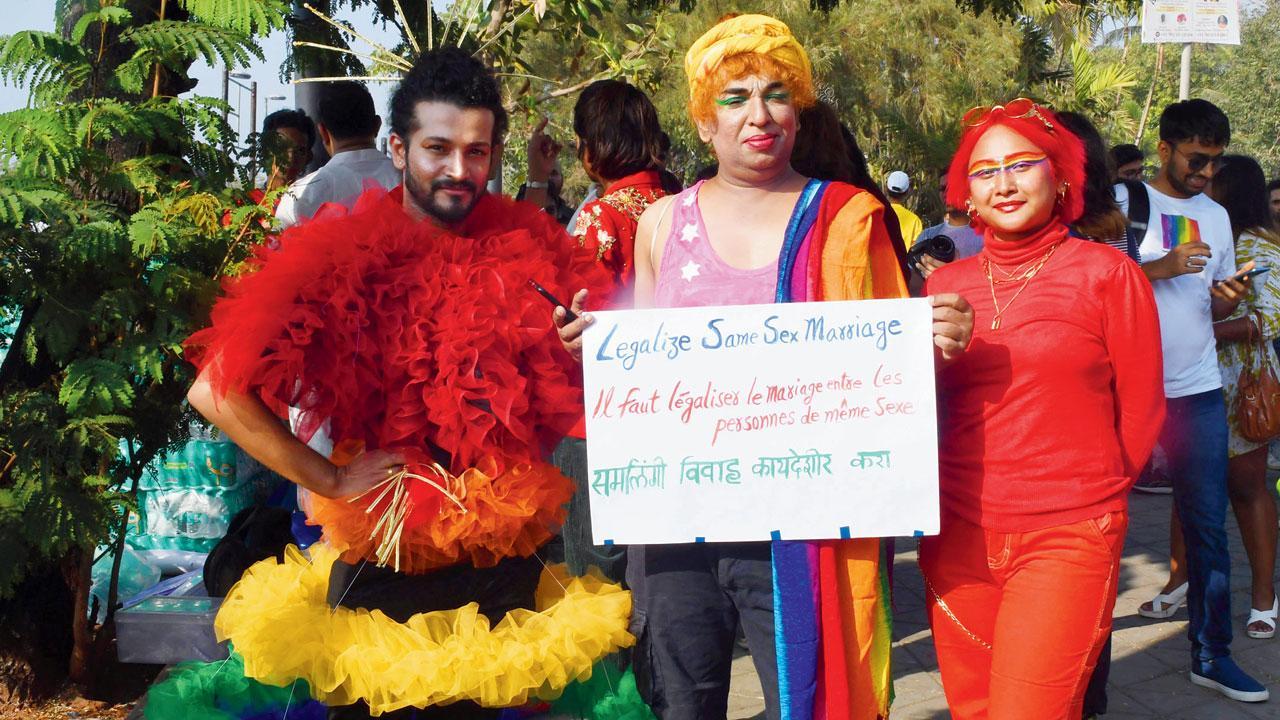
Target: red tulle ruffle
[[402, 334]]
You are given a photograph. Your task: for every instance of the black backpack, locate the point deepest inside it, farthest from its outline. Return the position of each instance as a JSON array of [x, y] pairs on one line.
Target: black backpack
[[256, 533], [1139, 215]]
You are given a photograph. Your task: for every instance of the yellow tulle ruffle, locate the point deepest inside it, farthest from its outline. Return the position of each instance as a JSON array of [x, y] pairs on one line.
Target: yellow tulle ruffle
[[278, 619]]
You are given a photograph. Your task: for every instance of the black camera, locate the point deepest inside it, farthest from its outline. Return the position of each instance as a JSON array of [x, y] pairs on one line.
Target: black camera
[[940, 247]]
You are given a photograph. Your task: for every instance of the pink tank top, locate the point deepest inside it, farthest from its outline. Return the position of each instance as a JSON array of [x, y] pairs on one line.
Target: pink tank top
[[693, 274]]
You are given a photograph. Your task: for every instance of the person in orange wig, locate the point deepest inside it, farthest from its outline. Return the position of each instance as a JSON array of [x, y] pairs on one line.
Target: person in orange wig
[[815, 614]]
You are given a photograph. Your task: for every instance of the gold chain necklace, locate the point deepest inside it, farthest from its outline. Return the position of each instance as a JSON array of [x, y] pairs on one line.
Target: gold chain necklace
[[1015, 274], [1024, 277]]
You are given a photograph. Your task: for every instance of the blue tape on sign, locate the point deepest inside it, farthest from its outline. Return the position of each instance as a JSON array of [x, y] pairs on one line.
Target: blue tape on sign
[[918, 533], [775, 535], [608, 541], [699, 539], [844, 533]]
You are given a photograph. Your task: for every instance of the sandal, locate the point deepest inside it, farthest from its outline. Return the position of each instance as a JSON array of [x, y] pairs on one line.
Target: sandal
[[1164, 605], [1266, 617]]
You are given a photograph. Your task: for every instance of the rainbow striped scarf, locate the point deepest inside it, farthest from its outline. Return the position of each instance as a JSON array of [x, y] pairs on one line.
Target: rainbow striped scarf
[[832, 619]]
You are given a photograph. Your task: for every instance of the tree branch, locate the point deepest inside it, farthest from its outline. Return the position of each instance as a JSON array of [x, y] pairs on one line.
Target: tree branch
[[496, 16], [577, 87], [155, 83], [1151, 91]]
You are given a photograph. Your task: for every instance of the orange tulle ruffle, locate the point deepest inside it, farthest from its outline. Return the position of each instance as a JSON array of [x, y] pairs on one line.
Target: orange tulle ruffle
[[508, 515]]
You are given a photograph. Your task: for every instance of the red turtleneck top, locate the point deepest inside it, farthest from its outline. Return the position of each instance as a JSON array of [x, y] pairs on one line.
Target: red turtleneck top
[[1047, 420]]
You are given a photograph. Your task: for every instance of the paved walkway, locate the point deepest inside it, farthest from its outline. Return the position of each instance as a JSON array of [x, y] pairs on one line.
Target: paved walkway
[[1150, 658]]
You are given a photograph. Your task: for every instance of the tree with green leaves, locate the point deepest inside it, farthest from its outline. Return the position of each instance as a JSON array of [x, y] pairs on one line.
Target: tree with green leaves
[[116, 222], [1244, 81], [901, 73]]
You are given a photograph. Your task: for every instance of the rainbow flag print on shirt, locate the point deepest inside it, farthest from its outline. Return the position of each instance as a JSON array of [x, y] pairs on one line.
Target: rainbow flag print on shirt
[[1178, 229]]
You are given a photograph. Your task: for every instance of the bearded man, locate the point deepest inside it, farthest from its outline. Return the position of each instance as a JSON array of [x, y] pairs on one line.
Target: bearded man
[[406, 331]]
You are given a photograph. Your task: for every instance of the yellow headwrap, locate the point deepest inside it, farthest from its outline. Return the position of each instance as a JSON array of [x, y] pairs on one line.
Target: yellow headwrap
[[754, 34]]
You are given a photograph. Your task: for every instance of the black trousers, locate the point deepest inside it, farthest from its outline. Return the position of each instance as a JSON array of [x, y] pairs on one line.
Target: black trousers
[[695, 597], [500, 589], [1095, 695], [575, 548]]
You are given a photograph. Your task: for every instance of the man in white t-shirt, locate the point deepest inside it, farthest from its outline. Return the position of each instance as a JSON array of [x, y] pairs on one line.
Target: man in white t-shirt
[[1187, 252], [348, 126]]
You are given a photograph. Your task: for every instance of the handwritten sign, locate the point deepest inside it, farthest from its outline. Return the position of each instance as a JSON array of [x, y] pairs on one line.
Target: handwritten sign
[[803, 421], [1191, 21]]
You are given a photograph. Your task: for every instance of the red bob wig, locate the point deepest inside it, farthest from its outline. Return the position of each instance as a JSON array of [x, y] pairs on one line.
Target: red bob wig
[[1041, 127]]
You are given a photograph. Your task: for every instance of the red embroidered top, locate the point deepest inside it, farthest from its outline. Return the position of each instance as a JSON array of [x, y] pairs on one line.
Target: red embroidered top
[[607, 225]]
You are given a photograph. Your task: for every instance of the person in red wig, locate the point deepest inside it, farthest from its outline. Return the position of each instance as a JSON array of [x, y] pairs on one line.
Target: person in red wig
[[1034, 504]]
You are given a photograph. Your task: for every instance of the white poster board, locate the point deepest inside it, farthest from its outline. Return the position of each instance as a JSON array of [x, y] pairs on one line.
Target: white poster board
[[1191, 21], [794, 421]]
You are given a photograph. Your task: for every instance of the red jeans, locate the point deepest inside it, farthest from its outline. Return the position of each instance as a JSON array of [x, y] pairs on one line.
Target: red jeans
[[1019, 618]]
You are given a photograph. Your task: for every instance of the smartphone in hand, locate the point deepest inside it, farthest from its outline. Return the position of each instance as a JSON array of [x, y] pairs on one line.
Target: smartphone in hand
[[1248, 274], [569, 315]]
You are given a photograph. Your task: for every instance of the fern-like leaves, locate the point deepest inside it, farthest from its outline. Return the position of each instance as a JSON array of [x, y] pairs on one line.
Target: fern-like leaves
[[174, 44], [40, 140], [95, 387], [43, 62], [242, 16], [21, 206]]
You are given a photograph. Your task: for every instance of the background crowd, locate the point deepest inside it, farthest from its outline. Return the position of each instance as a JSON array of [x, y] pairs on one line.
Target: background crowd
[[621, 146]]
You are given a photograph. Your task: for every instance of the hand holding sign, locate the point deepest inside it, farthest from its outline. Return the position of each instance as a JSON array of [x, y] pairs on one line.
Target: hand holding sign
[[952, 324]]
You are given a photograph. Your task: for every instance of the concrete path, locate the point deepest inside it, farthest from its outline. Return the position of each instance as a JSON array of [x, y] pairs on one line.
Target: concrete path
[[1150, 658]]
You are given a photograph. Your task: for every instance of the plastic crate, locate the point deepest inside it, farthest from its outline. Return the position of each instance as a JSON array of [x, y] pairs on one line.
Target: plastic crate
[[165, 630]]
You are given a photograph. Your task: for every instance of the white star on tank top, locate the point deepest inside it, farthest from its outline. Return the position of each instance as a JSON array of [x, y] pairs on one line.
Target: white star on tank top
[[689, 271]]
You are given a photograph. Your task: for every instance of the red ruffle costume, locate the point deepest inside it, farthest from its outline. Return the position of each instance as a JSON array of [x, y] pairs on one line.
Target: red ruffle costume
[[406, 336]]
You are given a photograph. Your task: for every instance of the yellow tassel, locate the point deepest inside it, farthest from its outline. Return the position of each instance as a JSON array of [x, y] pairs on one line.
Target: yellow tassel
[[390, 526]]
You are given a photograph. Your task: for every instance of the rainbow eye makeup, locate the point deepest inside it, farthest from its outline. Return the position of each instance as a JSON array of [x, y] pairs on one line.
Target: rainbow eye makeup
[[1016, 163], [736, 100]]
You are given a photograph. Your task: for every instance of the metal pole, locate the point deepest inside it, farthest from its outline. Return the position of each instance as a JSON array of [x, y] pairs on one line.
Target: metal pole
[[306, 96], [1184, 78], [226, 91], [253, 107], [253, 115], [226, 107]]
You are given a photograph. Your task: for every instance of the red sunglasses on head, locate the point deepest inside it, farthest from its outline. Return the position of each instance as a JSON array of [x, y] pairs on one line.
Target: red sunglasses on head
[[1017, 108]]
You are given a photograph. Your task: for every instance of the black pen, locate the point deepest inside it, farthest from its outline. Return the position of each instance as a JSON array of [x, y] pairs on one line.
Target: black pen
[[569, 315]]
